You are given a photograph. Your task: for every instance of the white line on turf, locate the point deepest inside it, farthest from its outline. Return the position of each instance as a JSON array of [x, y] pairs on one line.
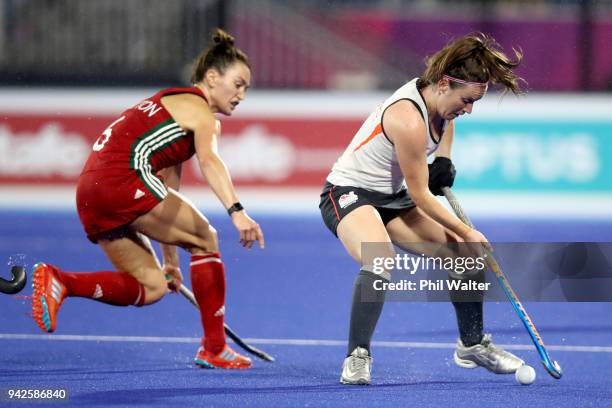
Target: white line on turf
[[287, 342]]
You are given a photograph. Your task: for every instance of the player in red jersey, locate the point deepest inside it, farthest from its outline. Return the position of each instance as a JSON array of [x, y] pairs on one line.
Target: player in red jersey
[[127, 193]]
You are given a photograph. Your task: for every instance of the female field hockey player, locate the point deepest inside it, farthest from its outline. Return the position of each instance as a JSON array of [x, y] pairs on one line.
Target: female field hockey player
[[365, 198], [127, 193]]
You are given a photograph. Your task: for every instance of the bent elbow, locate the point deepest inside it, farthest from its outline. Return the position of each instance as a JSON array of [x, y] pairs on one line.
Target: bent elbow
[[207, 158]]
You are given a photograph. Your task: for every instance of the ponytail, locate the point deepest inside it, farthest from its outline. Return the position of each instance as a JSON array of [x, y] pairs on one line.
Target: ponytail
[[220, 55]]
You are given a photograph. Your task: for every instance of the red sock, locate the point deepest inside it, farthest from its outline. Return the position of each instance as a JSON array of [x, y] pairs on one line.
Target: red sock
[[208, 283], [114, 288]]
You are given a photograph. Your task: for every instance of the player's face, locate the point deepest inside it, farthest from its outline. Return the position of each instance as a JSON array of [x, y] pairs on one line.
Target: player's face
[[459, 100], [230, 88]]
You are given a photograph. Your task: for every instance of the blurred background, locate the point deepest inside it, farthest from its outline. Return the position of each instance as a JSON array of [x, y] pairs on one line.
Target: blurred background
[[305, 44], [68, 68], [536, 168]]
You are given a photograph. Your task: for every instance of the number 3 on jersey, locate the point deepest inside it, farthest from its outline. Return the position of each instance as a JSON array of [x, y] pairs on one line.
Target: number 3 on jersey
[[99, 145]]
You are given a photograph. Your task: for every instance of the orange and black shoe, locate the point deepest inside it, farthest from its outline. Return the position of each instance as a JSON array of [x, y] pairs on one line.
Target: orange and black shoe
[[227, 358], [48, 295]]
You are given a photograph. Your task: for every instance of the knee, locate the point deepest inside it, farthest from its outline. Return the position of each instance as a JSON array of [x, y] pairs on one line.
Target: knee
[[381, 261], [207, 241], [155, 288], [213, 239]]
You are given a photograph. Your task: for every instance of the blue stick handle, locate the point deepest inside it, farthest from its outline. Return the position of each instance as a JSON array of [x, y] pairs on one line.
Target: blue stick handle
[[553, 367]]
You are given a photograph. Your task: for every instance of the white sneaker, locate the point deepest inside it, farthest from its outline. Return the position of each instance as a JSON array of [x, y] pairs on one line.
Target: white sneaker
[[487, 355], [357, 368]]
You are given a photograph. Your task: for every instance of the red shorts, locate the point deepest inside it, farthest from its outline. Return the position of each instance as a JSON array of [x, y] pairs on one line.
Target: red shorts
[[107, 200]]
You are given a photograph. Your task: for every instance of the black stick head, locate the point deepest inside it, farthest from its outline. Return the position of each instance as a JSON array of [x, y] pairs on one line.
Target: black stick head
[[16, 284], [266, 357]]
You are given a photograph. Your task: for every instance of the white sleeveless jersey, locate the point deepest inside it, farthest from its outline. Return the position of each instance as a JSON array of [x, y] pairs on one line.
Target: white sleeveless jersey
[[370, 161]]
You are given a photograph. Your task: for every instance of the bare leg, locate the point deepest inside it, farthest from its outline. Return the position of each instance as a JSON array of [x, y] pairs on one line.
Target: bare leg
[[176, 221], [134, 255], [410, 231]]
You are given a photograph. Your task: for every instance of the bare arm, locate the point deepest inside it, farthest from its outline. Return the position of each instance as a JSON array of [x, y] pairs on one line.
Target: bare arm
[[218, 177], [192, 113], [212, 166], [446, 144], [404, 125]]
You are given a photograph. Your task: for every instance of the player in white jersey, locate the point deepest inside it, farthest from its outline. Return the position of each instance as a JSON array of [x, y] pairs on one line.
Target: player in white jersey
[[380, 191]]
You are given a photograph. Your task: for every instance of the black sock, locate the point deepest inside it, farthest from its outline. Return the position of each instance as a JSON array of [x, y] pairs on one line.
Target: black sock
[[468, 308], [469, 320], [365, 310]]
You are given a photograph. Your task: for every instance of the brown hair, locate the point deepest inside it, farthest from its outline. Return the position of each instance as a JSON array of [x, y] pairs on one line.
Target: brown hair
[[220, 55], [475, 58]]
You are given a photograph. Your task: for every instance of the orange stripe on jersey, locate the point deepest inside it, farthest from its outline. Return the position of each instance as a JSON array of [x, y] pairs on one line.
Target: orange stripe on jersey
[[377, 131]]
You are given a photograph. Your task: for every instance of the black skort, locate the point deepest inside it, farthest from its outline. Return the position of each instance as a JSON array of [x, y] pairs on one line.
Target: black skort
[[338, 201]]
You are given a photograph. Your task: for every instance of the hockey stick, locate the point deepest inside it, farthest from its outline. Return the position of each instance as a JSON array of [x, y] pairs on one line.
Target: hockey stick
[[553, 368], [230, 333], [16, 284]]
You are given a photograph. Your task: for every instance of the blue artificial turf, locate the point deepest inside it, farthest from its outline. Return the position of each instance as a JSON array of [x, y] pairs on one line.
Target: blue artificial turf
[[298, 288]]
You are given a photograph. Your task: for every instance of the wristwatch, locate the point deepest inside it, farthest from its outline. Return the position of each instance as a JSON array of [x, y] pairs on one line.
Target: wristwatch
[[235, 207]]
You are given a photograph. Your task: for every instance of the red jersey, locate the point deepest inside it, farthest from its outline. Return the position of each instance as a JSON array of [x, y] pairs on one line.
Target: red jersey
[[145, 139], [119, 181]]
